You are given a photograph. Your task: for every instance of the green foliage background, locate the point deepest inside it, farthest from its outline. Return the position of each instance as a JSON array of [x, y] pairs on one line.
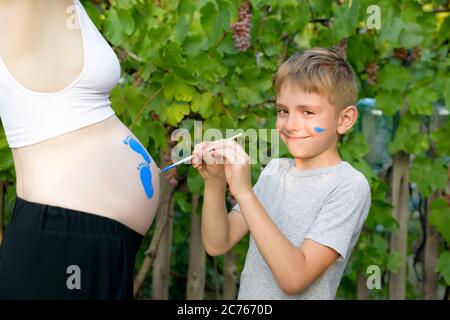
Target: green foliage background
[[179, 64]]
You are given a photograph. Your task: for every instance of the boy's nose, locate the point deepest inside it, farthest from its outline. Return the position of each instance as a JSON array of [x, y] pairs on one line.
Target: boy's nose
[[294, 123]]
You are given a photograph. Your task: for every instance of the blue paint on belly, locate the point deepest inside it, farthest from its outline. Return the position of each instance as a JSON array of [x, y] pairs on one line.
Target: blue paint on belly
[[137, 147], [319, 129], [146, 178], [143, 167]]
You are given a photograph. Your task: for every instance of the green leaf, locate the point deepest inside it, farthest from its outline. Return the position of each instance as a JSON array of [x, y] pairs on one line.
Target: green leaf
[[157, 133], [194, 181], [185, 14], [249, 122], [215, 19], [421, 101], [447, 93], [389, 101], [296, 15], [227, 122], [408, 137], [119, 24], [182, 200], [171, 54], [429, 175], [321, 7], [395, 261], [355, 146], [391, 31], [6, 160], [380, 244], [204, 104], [211, 123], [393, 77], [345, 20], [176, 113], [194, 44], [174, 87], [444, 32], [248, 96], [411, 11], [127, 99], [439, 217], [125, 4], [160, 106], [443, 266], [380, 214], [360, 50], [441, 140], [209, 66], [410, 36], [227, 45], [272, 30]]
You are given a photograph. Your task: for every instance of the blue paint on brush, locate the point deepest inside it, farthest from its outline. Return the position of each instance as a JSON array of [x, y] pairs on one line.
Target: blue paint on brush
[[319, 129], [168, 167]]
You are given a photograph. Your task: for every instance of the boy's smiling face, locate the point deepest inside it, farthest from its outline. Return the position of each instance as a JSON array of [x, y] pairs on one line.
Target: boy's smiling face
[[309, 125]]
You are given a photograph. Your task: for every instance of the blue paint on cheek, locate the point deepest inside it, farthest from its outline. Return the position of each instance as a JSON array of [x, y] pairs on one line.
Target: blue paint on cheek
[[146, 178], [136, 147], [319, 129], [143, 167]]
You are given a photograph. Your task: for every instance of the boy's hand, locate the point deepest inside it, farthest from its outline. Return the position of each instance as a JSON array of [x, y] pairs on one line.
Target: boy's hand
[[237, 167], [204, 162]]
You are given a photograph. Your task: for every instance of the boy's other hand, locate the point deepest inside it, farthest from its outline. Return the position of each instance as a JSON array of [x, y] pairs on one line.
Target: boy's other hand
[[236, 165], [206, 164]]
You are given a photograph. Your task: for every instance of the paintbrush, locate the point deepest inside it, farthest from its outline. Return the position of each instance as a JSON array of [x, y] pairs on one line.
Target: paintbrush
[[192, 156]]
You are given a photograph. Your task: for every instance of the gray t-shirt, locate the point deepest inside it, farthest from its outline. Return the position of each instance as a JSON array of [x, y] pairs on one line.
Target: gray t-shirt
[[328, 205]]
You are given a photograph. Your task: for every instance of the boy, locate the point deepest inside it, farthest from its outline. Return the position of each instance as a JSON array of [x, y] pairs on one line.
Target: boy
[[304, 214]]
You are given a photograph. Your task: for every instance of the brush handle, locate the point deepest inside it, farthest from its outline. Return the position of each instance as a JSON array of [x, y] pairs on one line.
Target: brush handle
[[192, 156]]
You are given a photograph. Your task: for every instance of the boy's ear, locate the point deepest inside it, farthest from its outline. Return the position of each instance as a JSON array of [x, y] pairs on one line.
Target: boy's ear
[[347, 119]]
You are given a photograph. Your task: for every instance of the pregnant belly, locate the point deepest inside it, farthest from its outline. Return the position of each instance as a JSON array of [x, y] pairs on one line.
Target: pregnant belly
[[101, 169]]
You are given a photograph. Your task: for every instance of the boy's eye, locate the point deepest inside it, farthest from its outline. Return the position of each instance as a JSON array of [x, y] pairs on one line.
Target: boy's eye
[[282, 112], [308, 113]]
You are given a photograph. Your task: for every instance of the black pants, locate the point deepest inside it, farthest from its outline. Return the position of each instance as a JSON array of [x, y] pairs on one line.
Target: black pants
[[50, 252]]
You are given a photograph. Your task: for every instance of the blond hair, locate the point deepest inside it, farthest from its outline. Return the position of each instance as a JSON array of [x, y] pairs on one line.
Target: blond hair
[[319, 71]]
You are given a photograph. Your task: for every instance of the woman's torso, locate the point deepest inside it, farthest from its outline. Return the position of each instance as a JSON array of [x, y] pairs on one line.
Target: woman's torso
[[100, 168]]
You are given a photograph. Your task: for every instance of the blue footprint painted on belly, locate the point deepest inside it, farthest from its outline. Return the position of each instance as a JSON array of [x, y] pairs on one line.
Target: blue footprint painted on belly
[[146, 178], [143, 167], [136, 147]]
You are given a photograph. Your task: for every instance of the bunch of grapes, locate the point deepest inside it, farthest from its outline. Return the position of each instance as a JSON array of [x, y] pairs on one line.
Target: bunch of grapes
[[372, 72], [241, 28], [341, 48]]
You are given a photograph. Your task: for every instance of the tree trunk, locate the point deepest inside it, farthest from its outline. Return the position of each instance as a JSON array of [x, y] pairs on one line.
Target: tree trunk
[[229, 276], [362, 292], [163, 214], [398, 241], [197, 257], [161, 268], [431, 256]]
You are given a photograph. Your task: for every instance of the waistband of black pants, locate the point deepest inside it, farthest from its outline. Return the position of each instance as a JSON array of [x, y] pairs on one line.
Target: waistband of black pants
[[63, 220]]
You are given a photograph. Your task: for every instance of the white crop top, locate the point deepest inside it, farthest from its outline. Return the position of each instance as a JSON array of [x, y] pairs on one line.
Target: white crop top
[[30, 117]]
